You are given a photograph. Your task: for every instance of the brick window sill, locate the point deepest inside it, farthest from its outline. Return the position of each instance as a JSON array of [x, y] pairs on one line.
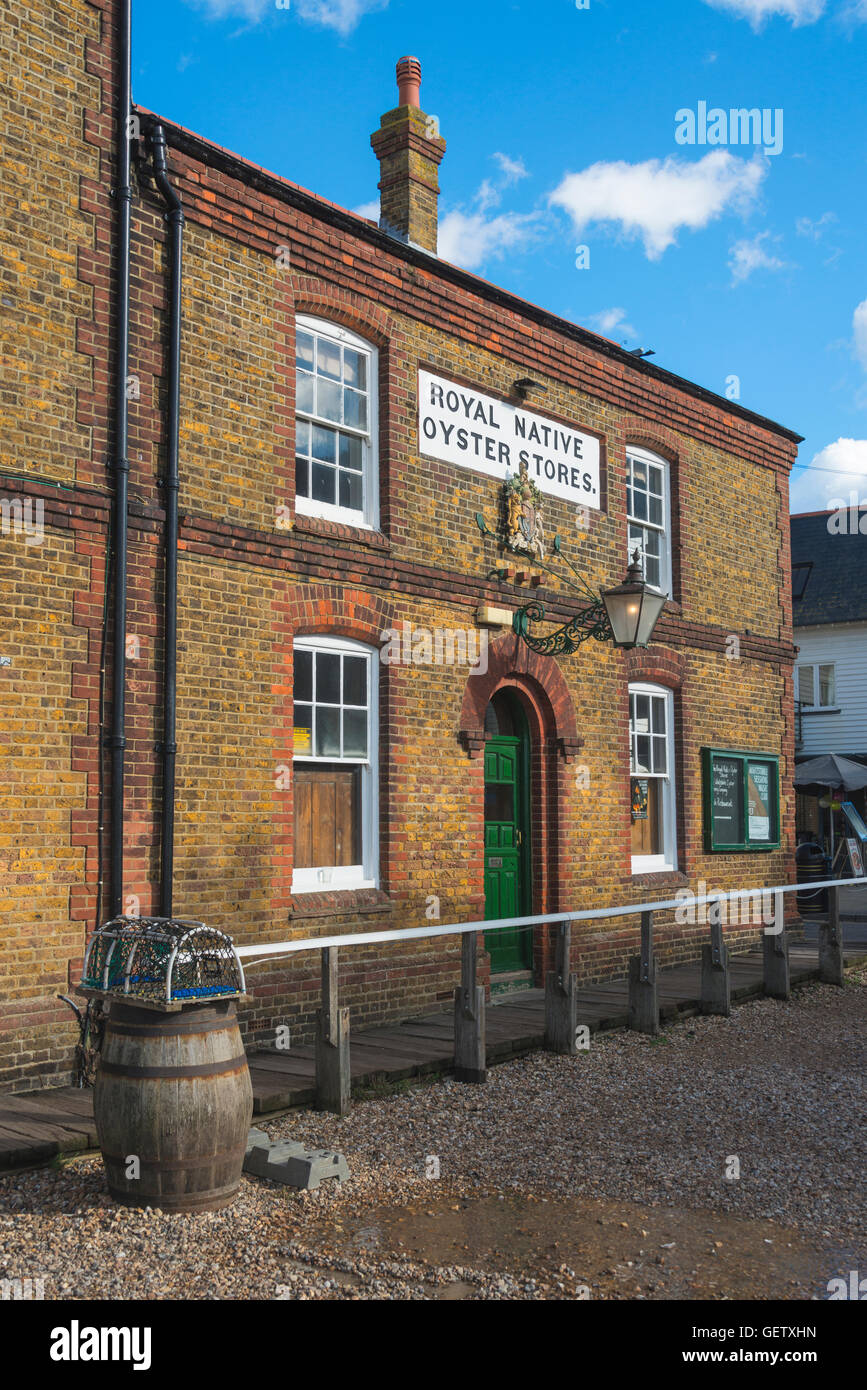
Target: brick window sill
[[666, 878], [349, 902], [338, 530]]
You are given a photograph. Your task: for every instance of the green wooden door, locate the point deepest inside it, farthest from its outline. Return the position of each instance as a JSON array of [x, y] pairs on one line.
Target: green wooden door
[[506, 846]]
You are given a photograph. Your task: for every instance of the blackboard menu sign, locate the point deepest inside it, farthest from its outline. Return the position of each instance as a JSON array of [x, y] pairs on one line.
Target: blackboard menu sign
[[741, 800], [728, 800]]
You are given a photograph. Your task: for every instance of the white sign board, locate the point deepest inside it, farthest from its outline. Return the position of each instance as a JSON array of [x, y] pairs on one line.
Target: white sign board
[[465, 427]]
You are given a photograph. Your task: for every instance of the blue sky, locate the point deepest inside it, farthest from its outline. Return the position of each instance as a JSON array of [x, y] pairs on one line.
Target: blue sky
[[737, 258]]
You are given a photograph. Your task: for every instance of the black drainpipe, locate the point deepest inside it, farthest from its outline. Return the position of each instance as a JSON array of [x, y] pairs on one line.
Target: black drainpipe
[[175, 219], [123, 195]]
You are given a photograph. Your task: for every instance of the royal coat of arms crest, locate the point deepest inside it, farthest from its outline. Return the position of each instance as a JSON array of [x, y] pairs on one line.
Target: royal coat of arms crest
[[524, 528]]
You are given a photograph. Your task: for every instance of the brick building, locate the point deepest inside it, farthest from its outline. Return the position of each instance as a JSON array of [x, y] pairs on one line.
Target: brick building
[[333, 741]]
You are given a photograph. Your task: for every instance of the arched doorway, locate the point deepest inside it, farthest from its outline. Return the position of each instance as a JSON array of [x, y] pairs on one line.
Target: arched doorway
[[508, 856]]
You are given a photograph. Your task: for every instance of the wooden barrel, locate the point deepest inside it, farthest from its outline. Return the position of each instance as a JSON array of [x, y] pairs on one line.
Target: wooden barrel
[[173, 1091]]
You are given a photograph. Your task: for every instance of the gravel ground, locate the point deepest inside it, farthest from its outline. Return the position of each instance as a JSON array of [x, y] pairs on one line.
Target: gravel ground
[[601, 1176]]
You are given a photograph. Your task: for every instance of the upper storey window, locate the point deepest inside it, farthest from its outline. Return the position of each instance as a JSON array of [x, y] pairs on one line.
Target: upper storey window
[[336, 450], [648, 510]]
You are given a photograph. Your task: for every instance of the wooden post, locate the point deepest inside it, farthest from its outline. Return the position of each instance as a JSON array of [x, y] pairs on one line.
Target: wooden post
[[561, 998], [831, 942], [643, 989], [470, 1059], [332, 1042], [775, 953], [716, 986]]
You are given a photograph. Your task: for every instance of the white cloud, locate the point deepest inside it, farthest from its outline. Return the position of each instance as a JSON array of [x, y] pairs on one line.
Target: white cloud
[[859, 332], [758, 12], [514, 170], [470, 239], [611, 321], [655, 199], [833, 475], [341, 15], [491, 192], [370, 210], [856, 13], [748, 255], [805, 226]]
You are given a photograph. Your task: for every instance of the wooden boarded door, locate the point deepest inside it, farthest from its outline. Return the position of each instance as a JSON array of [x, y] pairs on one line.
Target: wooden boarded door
[[506, 845]]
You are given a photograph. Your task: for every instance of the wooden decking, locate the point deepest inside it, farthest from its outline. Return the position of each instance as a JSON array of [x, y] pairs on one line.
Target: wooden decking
[[512, 1027], [37, 1125]]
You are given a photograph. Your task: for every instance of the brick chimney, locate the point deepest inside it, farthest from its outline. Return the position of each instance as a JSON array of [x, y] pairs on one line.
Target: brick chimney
[[409, 148]]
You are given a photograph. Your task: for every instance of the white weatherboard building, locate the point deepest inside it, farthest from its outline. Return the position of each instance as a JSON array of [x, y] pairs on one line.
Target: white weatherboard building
[[829, 605]]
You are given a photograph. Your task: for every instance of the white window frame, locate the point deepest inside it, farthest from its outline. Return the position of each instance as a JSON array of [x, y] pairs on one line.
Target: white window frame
[[368, 517], [330, 877], [816, 686], [667, 861], [634, 451]]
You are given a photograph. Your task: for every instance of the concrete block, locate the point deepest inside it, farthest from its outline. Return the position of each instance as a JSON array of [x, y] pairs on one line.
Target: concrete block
[[257, 1139], [293, 1164]]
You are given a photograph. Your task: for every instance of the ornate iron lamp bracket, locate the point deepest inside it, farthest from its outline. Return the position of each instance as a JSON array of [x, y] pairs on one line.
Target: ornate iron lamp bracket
[[589, 622]]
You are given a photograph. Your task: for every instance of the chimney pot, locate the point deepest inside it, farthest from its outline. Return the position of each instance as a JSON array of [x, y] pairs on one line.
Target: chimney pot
[[408, 81], [409, 148]]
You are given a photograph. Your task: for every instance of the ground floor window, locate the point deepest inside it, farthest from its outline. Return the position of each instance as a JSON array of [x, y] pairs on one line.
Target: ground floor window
[[652, 765], [334, 765]]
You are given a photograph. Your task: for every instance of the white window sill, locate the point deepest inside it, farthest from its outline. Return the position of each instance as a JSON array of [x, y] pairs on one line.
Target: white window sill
[[308, 882], [325, 512], [651, 864]]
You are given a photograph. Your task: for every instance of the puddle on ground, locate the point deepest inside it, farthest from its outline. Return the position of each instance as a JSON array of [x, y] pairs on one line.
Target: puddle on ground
[[620, 1250]]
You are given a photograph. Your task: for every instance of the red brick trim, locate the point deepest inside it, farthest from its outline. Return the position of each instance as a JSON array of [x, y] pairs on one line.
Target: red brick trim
[[357, 535], [353, 311], [359, 902], [656, 664], [511, 662], [340, 612]]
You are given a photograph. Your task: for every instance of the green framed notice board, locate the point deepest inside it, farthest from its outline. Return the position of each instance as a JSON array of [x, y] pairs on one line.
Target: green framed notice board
[[741, 793]]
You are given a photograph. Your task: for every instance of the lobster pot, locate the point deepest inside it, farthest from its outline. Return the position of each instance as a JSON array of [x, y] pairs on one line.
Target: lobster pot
[[173, 1092]]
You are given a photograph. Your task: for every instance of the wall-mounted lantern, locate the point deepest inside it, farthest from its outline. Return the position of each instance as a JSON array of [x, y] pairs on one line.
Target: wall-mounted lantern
[[625, 615]]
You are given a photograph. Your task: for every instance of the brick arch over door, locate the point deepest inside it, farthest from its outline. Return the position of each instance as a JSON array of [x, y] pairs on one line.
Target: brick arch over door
[[538, 683], [511, 661]]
